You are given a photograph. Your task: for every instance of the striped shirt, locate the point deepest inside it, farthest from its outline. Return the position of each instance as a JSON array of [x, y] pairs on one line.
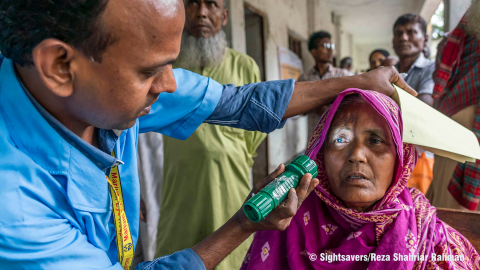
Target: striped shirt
[[314, 75]]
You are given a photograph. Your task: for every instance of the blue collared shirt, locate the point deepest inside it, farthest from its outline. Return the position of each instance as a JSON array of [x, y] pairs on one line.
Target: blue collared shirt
[[57, 211]]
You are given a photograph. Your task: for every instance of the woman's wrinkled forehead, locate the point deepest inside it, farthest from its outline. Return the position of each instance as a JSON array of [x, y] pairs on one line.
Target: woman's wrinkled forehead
[[382, 104], [359, 116]]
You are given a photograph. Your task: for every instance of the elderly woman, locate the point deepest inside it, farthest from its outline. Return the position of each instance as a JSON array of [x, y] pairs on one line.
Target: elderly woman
[[362, 215]]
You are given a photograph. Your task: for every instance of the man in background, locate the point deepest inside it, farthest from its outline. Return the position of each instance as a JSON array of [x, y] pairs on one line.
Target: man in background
[[207, 177], [347, 64], [410, 43], [321, 48], [457, 95]]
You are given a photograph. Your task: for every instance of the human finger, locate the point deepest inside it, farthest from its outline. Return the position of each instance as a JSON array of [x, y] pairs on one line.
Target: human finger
[[280, 169], [306, 190], [396, 79], [288, 208], [302, 188]]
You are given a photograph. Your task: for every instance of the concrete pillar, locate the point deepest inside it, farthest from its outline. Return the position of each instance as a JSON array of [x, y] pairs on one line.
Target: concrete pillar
[[454, 11], [235, 28]]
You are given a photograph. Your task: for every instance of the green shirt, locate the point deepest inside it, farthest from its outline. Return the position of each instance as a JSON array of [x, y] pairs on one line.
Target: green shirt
[[207, 177]]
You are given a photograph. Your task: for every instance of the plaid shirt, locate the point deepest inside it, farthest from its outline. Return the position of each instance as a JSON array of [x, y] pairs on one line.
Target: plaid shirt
[[457, 86], [332, 72]]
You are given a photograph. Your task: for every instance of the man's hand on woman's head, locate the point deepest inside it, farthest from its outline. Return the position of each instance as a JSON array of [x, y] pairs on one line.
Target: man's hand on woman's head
[[310, 95], [381, 80], [279, 218]]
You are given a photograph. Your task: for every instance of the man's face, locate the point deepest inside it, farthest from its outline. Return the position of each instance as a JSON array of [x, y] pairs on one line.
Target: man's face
[[321, 53], [376, 60], [204, 18], [135, 69], [408, 40]]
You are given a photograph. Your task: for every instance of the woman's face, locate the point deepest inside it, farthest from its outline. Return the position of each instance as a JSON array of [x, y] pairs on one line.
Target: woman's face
[[360, 156], [376, 60]]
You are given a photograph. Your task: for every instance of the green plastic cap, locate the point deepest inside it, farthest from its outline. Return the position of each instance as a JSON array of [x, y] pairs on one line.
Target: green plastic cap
[[305, 165], [258, 207]]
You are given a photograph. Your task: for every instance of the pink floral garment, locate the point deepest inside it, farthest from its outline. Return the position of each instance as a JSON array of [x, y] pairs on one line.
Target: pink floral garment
[[403, 223]]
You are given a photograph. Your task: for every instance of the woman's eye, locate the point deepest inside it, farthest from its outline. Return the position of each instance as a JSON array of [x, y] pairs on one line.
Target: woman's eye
[[339, 140], [375, 141]]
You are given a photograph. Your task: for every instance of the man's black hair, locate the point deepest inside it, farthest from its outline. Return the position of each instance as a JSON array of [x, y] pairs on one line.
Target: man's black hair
[[412, 18], [382, 51], [26, 23], [347, 61], [315, 39]]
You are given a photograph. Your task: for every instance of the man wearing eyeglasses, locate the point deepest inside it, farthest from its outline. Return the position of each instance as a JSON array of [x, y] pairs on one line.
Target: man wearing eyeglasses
[[321, 48]]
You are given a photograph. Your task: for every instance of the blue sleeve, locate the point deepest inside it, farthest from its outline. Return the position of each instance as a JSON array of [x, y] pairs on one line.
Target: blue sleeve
[[185, 259], [255, 106], [180, 113]]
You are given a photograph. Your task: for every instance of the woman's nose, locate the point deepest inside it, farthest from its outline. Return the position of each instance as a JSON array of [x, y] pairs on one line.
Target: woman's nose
[[357, 153]]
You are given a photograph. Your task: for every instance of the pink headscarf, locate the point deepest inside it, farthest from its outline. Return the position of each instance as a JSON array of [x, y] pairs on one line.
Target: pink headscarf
[[403, 223]]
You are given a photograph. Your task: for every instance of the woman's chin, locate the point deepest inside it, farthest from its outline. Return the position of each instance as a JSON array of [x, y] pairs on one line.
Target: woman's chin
[[360, 204]]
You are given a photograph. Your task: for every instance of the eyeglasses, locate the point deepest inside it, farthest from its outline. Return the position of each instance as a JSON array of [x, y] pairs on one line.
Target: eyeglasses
[[330, 46]]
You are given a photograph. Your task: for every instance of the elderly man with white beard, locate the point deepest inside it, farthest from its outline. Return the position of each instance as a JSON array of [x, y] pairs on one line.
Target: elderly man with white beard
[[206, 177], [457, 94]]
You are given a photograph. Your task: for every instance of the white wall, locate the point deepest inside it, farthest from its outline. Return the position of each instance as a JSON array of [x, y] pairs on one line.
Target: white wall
[[454, 11], [280, 18]]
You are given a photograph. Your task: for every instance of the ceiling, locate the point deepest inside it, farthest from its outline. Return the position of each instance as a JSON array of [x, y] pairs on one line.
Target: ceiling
[[369, 20]]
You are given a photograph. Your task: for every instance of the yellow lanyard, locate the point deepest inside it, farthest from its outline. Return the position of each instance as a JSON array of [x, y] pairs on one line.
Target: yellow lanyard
[[124, 238]]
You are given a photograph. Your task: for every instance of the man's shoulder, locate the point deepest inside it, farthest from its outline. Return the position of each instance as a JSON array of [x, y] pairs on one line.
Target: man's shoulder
[[241, 59], [428, 67], [14, 173], [308, 75]]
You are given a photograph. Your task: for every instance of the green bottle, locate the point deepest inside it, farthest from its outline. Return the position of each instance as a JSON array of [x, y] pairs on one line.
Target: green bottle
[[260, 205]]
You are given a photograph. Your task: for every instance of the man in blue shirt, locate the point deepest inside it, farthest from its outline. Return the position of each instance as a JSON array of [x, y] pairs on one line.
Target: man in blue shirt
[[76, 78]]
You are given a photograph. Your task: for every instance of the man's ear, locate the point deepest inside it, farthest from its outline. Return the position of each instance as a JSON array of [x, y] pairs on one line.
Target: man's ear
[[225, 15], [52, 58]]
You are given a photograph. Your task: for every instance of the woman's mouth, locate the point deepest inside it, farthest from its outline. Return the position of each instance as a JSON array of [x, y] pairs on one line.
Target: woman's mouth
[[356, 177]]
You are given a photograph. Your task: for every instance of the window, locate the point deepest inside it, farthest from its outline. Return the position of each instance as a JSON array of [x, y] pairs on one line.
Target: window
[[295, 45]]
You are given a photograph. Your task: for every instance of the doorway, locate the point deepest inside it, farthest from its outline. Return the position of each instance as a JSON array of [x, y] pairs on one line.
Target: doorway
[[254, 31]]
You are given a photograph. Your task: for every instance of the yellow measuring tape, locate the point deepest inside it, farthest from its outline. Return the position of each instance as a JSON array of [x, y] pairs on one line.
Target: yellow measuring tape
[[124, 238]]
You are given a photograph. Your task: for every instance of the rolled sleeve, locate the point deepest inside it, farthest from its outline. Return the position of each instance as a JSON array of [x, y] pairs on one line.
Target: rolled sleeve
[[180, 113], [185, 259], [255, 107]]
